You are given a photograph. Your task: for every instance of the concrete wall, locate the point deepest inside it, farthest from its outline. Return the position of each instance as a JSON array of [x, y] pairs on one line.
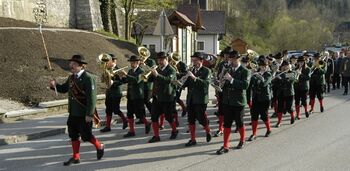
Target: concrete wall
[[84, 14]]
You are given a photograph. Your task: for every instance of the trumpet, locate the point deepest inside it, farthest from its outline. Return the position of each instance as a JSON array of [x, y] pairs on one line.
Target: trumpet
[[317, 65], [146, 75]]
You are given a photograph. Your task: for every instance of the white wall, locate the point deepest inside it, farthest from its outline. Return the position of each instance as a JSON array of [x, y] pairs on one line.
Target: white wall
[[211, 43]]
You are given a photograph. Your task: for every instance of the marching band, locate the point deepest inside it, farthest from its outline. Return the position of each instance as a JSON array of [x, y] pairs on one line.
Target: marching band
[[239, 80]]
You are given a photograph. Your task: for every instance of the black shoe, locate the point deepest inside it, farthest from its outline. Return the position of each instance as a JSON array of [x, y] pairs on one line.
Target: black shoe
[[190, 143], [71, 161], [240, 145], [252, 138], [274, 115], [218, 134], [139, 122], [307, 114], [311, 111], [129, 134], [161, 127], [208, 137], [154, 139], [222, 150], [174, 135], [105, 129], [183, 114], [292, 120], [345, 93], [322, 109], [267, 134], [147, 128], [100, 152], [278, 125], [125, 125], [177, 124]]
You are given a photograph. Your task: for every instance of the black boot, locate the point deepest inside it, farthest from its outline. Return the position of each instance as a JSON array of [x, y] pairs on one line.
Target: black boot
[[71, 161]]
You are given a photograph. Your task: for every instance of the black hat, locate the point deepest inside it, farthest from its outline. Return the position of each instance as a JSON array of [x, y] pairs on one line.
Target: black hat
[[293, 57], [278, 55], [262, 62], [233, 54], [78, 58], [306, 55], [316, 55], [197, 55], [270, 58], [161, 55], [112, 55], [245, 59], [284, 63], [301, 59], [133, 58], [227, 50], [262, 57]]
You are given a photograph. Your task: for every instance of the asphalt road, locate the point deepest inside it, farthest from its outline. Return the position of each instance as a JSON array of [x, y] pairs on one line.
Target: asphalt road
[[320, 142]]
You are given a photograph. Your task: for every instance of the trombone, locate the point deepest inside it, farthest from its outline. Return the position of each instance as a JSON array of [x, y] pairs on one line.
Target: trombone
[[146, 74]]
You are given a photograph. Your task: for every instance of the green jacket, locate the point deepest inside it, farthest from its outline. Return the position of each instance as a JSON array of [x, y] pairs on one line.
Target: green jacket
[[149, 85], [286, 84], [234, 94], [86, 95], [260, 86], [115, 89], [135, 88], [303, 83], [318, 77], [163, 89], [197, 90]]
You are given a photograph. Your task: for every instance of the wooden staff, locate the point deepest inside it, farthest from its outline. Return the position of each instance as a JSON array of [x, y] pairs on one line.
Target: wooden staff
[[47, 54]]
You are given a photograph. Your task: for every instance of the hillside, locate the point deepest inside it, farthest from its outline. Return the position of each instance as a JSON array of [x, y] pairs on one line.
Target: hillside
[[23, 65]]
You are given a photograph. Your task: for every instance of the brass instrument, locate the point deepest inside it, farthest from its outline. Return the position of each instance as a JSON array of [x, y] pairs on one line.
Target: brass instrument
[[219, 82], [180, 82], [146, 74], [144, 53], [108, 73], [174, 59], [317, 65], [103, 59]]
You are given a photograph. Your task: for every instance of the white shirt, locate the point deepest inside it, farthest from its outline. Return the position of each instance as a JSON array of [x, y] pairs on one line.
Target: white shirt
[[79, 73]]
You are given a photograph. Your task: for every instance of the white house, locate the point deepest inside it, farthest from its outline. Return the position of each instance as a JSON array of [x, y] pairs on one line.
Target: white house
[[208, 39]]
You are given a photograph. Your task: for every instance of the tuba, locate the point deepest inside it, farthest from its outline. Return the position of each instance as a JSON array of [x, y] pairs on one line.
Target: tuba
[[144, 53], [106, 77], [174, 60]]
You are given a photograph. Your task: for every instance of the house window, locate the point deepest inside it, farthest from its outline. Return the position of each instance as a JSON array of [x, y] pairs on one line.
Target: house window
[[152, 47], [200, 46]]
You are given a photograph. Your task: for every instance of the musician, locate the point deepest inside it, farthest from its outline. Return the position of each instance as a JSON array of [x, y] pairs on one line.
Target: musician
[[275, 67], [135, 95], [293, 61], [302, 86], [81, 88], [336, 75], [113, 97], [260, 84], [182, 70], [164, 96], [345, 71], [329, 71], [222, 66], [234, 99], [148, 85], [284, 80], [197, 84], [317, 82]]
